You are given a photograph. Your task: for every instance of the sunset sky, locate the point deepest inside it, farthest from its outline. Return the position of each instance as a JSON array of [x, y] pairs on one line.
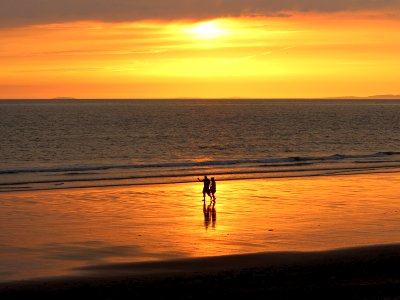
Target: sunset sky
[[199, 48]]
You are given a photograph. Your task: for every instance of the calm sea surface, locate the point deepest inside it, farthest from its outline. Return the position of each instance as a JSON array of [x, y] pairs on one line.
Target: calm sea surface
[[62, 144]]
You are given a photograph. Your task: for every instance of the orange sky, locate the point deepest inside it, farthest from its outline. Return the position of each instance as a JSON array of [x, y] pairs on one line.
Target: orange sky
[[302, 55]]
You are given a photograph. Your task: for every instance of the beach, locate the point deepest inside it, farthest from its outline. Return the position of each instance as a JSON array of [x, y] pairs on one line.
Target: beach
[[323, 235], [358, 273]]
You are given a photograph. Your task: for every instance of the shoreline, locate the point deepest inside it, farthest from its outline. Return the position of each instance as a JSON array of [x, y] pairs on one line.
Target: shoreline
[[135, 174], [60, 187], [368, 272]]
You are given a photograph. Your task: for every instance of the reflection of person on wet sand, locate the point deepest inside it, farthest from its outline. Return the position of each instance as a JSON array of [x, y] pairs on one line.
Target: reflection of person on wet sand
[[213, 189], [213, 216], [206, 215], [206, 187], [209, 213]]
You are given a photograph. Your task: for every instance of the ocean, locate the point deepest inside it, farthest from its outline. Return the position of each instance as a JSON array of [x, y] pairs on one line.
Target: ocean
[[61, 144]]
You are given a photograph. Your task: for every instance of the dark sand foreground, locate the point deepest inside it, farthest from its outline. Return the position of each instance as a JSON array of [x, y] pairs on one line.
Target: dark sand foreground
[[357, 273]]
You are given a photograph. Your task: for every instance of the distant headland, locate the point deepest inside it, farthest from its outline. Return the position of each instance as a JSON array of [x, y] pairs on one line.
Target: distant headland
[[387, 96]]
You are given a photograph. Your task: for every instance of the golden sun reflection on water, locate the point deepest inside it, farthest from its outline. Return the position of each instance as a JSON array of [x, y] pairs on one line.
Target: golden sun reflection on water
[[49, 232]]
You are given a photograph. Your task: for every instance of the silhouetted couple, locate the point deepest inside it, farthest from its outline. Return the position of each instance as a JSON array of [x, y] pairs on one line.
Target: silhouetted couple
[[209, 188]]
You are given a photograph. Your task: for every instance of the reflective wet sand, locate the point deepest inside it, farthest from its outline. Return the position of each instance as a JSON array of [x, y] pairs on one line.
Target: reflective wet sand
[[49, 233]]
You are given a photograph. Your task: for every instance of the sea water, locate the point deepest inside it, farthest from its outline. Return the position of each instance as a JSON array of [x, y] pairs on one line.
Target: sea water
[[76, 143]]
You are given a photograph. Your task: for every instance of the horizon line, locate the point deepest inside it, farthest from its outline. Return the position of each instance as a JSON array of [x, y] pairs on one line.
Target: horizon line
[[372, 97]]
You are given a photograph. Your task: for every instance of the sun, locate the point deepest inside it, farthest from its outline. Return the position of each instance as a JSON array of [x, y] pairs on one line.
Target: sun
[[207, 30]]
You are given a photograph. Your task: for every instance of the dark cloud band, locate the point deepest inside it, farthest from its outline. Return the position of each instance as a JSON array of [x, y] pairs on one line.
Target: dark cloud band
[[24, 12]]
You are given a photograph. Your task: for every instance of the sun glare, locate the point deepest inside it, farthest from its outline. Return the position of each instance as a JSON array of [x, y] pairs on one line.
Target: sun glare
[[207, 30]]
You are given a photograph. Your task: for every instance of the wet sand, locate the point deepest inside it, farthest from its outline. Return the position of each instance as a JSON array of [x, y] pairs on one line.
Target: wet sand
[[160, 242], [371, 272]]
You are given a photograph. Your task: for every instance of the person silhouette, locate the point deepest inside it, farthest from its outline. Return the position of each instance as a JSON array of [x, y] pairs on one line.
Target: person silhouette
[[206, 187], [213, 189]]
